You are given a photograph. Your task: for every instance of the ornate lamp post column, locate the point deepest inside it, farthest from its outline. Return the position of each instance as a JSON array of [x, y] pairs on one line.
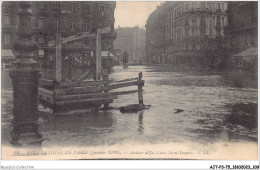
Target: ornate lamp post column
[[25, 79]]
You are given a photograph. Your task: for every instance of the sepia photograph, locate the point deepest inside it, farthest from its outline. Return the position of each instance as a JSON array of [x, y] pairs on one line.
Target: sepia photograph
[[129, 80]]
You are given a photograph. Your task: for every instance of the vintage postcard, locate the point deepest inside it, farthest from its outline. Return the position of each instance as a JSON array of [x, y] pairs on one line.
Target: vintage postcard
[[144, 80]]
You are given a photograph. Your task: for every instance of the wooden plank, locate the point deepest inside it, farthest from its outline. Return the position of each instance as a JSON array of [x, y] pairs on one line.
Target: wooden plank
[[78, 90], [82, 96], [46, 97], [86, 100], [105, 77], [45, 82], [42, 90], [98, 55], [83, 83], [125, 92], [84, 76], [94, 89], [72, 38], [93, 95], [58, 66], [124, 84], [127, 80]]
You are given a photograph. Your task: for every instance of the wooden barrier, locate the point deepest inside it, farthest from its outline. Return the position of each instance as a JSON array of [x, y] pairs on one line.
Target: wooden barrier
[[86, 94]]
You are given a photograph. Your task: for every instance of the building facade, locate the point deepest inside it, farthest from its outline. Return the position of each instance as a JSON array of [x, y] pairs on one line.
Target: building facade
[[193, 32], [243, 33], [63, 17], [242, 27], [131, 39], [9, 27], [156, 34]]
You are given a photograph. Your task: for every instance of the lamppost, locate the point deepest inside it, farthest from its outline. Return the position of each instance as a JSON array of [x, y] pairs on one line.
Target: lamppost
[[25, 80]]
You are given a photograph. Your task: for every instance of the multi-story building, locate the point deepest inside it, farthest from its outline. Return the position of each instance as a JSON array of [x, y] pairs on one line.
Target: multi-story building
[[131, 39], [242, 27], [243, 43], [193, 31], [63, 17], [156, 35], [9, 27]]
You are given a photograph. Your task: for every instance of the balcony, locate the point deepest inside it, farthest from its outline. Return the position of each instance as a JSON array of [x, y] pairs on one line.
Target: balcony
[[218, 10], [9, 27]]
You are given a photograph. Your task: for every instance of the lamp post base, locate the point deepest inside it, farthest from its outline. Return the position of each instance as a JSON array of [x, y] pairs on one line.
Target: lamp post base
[[27, 140]]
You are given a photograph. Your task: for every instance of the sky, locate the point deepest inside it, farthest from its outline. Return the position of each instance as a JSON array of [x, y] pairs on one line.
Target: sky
[[133, 13]]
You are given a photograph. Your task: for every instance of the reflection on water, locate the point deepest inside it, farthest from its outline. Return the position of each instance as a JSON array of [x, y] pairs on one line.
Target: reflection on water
[[140, 122], [186, 106], [243, 114]]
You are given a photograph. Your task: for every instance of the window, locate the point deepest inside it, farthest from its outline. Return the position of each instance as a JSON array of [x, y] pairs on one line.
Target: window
[[223, 21], [87, 9], [203, 20], [187, 32], [7, 4], [193, 32], [72, 24], [193, 45], [209, 6], [87, 25], [7, 20], [218, 6], [57, 5], [102, 9], [57, 24], [41, 40], [202, 5], [73, 7], [41, 4], [194, 20], [213, 6], [192, 6], [218, 20], [6, 39], [41, 23], [186, 21]]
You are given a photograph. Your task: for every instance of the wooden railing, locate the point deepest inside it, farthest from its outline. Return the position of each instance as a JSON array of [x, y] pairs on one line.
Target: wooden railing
[[85, 94]]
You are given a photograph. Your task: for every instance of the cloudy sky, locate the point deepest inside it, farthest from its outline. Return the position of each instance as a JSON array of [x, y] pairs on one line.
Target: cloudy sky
[[133, 13]]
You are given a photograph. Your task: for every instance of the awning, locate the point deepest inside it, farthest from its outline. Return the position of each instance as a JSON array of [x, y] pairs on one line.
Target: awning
[[7, 54], [248, 52]]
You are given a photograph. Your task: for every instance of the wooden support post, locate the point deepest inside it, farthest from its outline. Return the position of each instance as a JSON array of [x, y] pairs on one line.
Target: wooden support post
[[98, 55], [105, 77], [58, 67], [140, 90]]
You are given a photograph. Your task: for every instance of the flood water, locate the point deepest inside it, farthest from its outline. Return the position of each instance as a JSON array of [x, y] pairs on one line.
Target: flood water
[[185, 106]]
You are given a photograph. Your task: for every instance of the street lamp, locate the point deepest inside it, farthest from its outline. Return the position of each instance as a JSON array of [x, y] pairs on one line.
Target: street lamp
[[25, 80]]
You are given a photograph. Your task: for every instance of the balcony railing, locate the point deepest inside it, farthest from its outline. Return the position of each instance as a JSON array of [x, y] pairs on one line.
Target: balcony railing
[[9, 26]]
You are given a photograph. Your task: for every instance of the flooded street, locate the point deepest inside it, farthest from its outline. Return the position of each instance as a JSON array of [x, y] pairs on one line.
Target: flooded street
[[198, 108]]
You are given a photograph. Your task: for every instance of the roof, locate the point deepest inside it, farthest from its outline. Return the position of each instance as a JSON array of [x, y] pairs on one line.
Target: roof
[[248, 52]]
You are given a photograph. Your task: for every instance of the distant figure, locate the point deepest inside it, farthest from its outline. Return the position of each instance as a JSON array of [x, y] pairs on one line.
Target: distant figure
[[125, 59]]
